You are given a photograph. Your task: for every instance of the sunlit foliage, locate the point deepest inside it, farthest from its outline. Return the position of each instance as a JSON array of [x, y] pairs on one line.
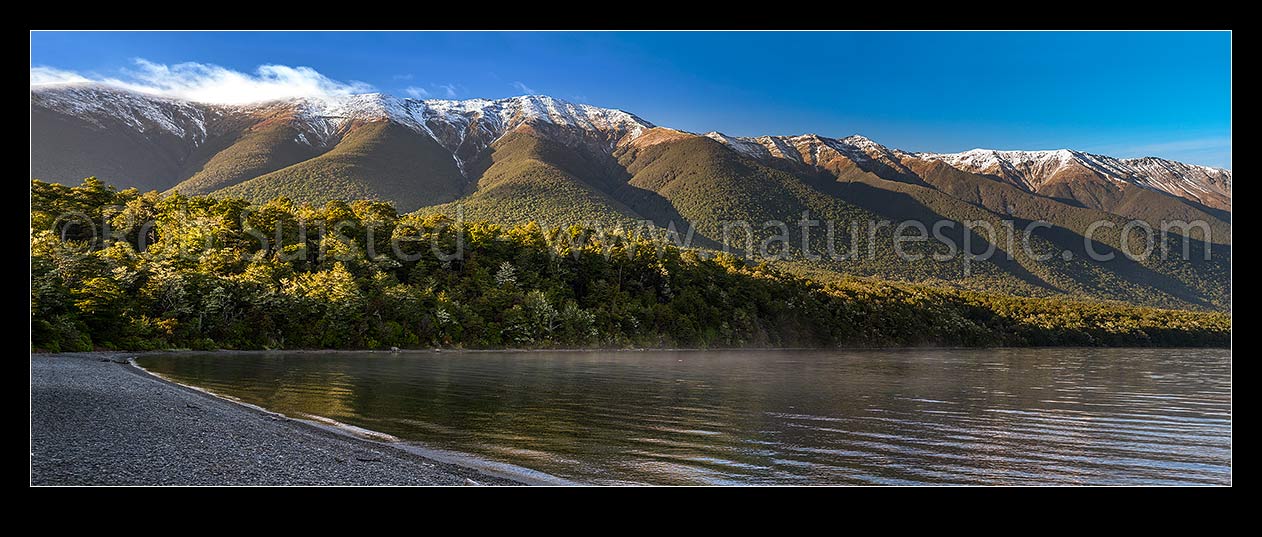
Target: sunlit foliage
[[143, 271]]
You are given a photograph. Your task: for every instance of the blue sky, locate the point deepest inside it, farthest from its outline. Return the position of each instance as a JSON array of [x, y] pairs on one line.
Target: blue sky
[[1120, 93]]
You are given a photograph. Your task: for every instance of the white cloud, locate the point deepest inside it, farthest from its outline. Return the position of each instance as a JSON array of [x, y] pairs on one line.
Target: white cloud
[[448, 89], [51, 75], [523, 88], [416, 92], [214, 84]]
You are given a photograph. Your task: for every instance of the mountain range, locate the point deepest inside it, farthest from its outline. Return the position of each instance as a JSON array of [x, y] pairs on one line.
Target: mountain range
[[545, 159]]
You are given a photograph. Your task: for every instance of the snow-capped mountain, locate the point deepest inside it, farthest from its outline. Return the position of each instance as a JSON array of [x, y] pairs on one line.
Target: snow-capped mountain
[[97, 105], [464, 128], [143, 140], [537, 158], [815, 150], [1036, 170], [467, 127], [1033, 171]]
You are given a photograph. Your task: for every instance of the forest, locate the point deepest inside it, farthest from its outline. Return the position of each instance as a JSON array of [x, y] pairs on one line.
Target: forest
[[115, 269]]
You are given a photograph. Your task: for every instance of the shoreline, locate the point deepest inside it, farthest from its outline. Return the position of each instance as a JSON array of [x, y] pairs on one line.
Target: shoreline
[[98, 419], [601, 349], [495, 469]]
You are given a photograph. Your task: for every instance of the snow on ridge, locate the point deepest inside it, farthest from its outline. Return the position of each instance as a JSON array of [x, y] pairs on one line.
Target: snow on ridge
[[862, 142], [463, 127], [505, 114], [493, 117], [1172, 176], [452, 123], [749, 147], [810, 148], [784, 147], [860, 148], [984, 158], [89, 101], [1174, 164], [325, 116], [1029, 168], [1032, 168], [790, 146]]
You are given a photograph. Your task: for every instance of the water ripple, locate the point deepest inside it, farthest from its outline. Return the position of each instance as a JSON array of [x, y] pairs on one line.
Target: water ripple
[[1004, 416]]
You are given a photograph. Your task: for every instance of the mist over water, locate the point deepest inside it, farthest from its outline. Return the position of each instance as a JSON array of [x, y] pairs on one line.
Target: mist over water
[[966, 416]]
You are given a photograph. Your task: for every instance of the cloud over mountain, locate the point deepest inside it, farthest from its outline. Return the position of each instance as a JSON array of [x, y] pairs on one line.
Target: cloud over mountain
[[209, 83]]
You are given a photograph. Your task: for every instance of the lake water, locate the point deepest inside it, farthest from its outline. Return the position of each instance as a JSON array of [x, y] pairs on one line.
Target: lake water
[[1009, 416]]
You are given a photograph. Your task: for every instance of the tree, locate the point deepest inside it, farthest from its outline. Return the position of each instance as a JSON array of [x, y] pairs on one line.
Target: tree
[[506, 275], [542, 316], [220, 273]]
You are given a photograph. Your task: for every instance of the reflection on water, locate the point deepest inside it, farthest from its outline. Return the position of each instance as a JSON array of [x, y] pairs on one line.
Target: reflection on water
[[1011, 416]]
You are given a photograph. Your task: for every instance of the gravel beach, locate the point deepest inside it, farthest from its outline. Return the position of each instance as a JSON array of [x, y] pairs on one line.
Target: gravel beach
[[97, 420]]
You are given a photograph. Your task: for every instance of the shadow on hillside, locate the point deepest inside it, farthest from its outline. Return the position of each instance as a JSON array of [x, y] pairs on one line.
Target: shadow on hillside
[[1120, 265], [1220, 214], [898, 207]]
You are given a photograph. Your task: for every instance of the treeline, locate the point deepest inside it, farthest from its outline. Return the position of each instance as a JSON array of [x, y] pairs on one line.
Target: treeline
[[130, 270]]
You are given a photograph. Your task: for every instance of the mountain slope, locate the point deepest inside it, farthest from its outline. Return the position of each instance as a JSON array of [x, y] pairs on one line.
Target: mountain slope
[[543, 159], [121, 137], [1094, 180], [274, 138], [132, 139], [380, 160], [1005, 188], [1005, 198], [929, 191], [711, 186], [157, 142], [531, 178]]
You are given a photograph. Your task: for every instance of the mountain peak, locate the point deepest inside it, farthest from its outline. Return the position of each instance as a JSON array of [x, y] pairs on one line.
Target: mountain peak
[[856, 139], [466, 127], [99, 103], [749, 147], [1034, 170], [1150, 160]]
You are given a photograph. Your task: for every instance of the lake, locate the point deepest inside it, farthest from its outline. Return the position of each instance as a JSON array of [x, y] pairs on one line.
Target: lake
[[940, 416]]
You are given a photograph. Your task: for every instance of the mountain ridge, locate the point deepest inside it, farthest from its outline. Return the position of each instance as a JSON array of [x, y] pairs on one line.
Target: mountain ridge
[[537, 158], [466, 127], [1028, 169]]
